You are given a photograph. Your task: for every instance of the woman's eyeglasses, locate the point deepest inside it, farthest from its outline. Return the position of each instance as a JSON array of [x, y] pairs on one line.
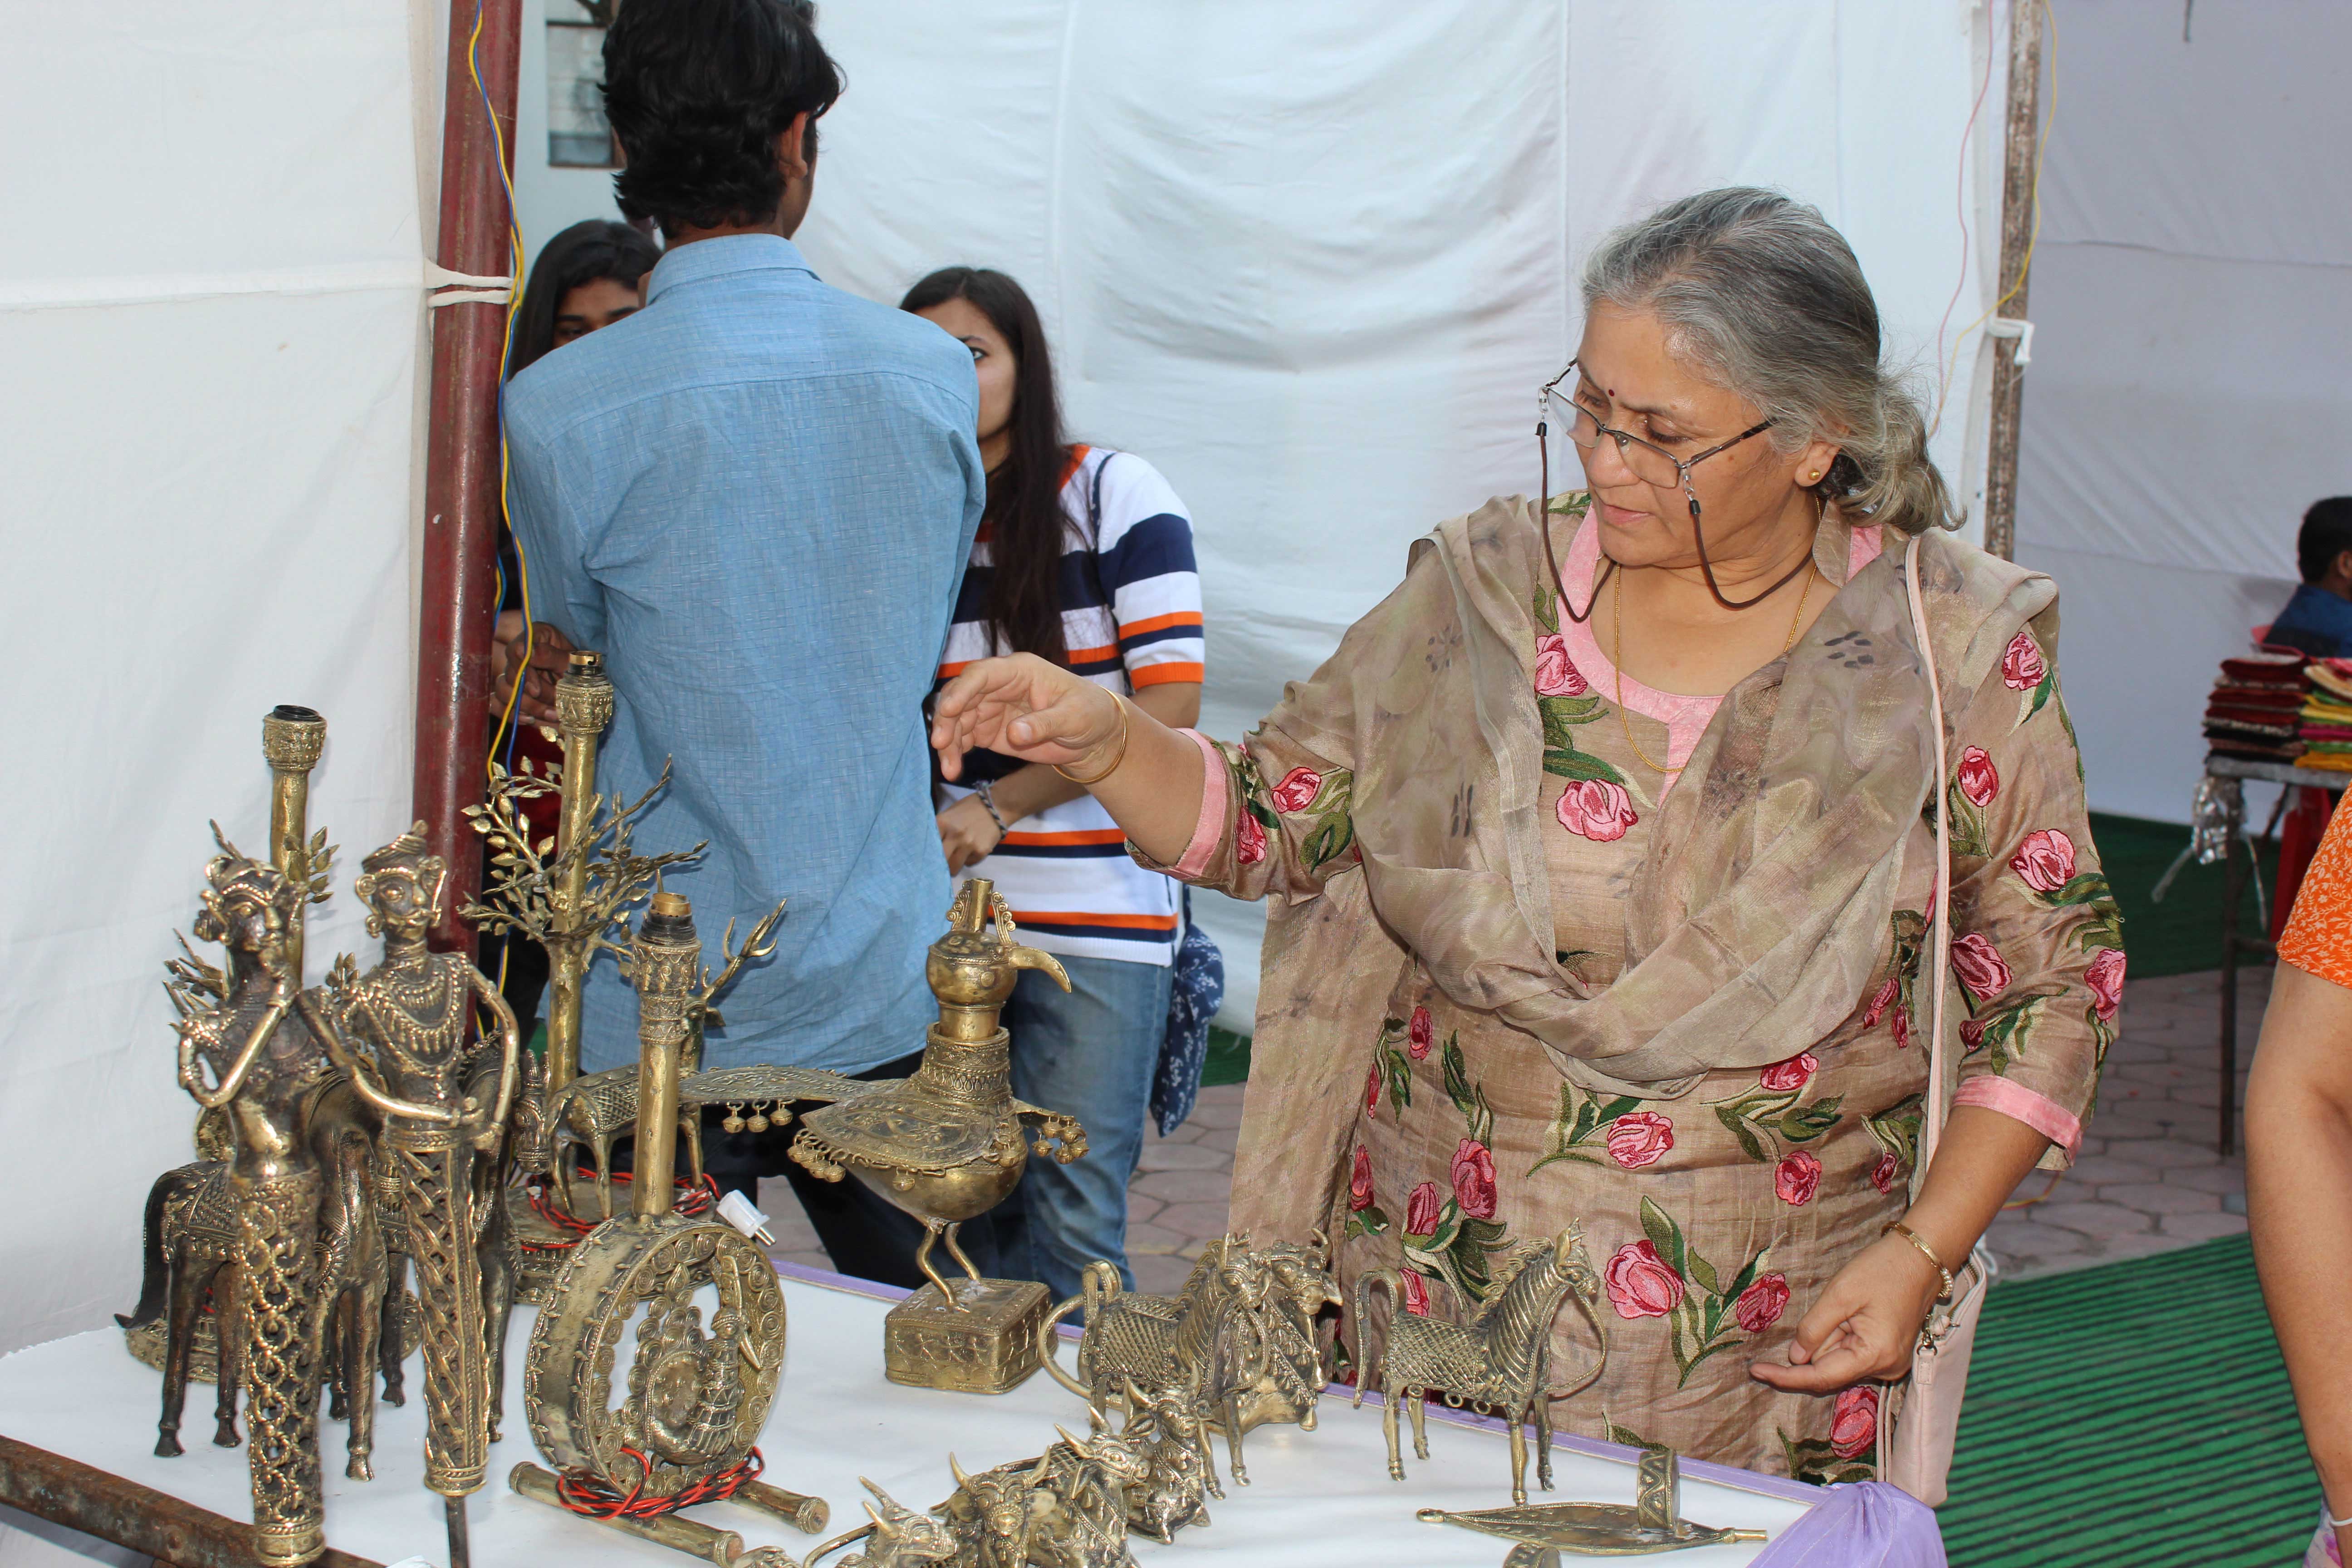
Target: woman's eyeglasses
[[1648, 462]]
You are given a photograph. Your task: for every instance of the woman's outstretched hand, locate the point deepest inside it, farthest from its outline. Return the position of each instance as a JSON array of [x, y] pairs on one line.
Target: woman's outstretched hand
[[1023, 707], [1864, 1325]]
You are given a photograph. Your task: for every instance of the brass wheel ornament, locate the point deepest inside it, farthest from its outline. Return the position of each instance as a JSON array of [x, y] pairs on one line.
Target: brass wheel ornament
[[696, 1390]]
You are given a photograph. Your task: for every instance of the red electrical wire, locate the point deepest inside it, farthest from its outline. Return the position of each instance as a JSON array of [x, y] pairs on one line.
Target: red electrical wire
[[593, 1498], [693, 1198]]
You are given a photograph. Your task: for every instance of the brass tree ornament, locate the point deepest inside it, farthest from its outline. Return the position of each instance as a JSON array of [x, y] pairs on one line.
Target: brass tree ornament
[[249, 1056], [571, 892], [1596, 1528], [947, 1145], [401, 1033], [696, 1394]]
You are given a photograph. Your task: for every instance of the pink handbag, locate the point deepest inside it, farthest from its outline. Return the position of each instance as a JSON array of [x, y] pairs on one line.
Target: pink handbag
[[1918, 1421]]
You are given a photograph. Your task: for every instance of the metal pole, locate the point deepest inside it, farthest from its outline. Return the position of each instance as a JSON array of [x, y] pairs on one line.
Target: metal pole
[[2016, 238], [461, 471], [663, 964], [291, 741]]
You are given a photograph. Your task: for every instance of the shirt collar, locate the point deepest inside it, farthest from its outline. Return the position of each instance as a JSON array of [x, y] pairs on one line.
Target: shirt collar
[[718, 258]]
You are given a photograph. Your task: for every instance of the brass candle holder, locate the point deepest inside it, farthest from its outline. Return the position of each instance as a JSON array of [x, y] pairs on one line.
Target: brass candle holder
[[948, 1145], [696, 1394]]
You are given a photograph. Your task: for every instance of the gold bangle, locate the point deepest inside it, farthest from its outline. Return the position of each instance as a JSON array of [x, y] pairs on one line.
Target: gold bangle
[[1926, 1251], [1115, 761]]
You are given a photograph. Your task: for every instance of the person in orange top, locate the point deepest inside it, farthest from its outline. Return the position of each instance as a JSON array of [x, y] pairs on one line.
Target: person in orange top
[[2299, 1171]]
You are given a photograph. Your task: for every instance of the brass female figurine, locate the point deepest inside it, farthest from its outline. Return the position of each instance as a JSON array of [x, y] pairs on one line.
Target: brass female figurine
[[266, 1069], [946, 1146], [402, 1032]]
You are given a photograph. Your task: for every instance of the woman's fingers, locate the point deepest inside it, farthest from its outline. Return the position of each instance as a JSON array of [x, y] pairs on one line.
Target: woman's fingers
[[1023, 707]]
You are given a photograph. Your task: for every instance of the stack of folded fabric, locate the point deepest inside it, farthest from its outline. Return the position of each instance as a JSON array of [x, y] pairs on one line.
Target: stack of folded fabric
[[2327, 716], [2258, 707]]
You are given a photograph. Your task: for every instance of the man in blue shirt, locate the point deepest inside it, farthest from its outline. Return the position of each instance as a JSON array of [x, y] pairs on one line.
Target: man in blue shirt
[[756, 497], [2318, 619]]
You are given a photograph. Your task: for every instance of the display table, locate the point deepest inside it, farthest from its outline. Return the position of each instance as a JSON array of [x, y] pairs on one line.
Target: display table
[[1316, 1498]]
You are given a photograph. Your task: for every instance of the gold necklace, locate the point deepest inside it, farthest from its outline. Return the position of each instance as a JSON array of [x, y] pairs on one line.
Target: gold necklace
[[1617, 658]]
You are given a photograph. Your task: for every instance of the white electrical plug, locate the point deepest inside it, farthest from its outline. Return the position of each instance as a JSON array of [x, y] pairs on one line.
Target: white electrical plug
[[737, 1211]]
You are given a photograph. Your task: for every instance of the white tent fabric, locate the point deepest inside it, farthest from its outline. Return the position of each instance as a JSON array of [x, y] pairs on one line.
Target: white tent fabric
[[1315, 266], [210, 308], [2188, 394]]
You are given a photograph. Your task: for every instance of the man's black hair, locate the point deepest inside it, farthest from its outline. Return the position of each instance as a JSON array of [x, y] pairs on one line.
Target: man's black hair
[[2327, 534], [698, 92]]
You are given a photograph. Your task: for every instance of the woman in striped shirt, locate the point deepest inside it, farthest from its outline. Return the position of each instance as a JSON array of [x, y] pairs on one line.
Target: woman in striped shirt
[[1085, 558]]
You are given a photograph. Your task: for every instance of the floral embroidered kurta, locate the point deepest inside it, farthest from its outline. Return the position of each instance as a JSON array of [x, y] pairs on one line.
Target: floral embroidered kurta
[[1715, 1218]]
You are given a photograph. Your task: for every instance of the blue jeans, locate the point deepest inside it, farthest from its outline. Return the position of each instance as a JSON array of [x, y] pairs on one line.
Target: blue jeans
[[1089, 1054]]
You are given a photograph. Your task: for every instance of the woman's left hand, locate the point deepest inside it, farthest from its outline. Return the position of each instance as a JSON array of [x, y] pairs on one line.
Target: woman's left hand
[[1864, 1324], [967, 834]]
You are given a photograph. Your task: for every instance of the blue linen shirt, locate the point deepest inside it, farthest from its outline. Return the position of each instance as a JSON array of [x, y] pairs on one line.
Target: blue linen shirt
[[756, 497], [2323, 620]]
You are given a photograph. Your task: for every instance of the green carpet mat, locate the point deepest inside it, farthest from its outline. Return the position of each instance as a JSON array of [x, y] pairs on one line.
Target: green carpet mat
[[2184, 933], [2134, 1414]]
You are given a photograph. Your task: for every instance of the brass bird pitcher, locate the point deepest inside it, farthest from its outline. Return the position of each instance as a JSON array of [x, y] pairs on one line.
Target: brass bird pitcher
[[948, 1145]]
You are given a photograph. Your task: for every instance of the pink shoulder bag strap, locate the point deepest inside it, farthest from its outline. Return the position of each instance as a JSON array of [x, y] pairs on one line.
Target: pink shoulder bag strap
[[1916, 1426]]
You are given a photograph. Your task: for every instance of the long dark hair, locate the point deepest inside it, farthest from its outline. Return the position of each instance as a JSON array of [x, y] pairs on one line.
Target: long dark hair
[[1024, 493], [580, 254]]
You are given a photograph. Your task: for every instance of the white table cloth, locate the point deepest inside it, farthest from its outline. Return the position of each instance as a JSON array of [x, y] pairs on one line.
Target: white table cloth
[[1316, 1499]]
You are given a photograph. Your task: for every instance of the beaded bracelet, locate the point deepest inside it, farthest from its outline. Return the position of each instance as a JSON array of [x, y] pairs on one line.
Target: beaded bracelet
[[986, 790]]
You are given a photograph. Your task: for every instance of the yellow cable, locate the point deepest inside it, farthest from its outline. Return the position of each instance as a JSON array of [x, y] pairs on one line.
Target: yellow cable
[[506, 351]]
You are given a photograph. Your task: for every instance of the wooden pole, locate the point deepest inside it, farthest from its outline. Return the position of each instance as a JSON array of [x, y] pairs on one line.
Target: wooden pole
[[2016, 239], [459, 606]]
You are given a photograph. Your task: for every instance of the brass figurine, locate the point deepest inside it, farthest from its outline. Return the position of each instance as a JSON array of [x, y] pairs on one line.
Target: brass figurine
[[1238, 1341], [1500, 1359], [264, 1066], [401, 1034], [947, 1145], [696, 1397], [1599, 1530]]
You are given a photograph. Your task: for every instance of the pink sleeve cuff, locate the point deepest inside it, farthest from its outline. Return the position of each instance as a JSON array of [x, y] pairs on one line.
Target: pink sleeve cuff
[[1211, 828], [2021, 1104]]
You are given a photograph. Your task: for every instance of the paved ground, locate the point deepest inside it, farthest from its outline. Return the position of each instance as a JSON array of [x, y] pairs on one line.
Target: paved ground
[[2149, 1178]]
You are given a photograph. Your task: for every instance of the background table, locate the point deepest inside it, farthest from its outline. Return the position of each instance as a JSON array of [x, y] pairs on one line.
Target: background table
[[2235, 773], [1320, 1498]]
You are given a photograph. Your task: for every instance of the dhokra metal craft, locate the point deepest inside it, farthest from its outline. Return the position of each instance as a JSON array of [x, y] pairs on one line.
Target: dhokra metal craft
[[947, 1145], [1500, 1361], [248, 1055], [1654, 1523], [404, 1035], [1071, 1507], [1237, 1344], [696, 1392], [571, 893]]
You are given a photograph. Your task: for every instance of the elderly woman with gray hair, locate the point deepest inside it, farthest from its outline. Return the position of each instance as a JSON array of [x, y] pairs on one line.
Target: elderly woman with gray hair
[[1605, 858]]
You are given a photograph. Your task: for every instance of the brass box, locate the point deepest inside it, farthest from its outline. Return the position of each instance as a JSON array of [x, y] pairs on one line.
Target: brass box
[[986, 1343]]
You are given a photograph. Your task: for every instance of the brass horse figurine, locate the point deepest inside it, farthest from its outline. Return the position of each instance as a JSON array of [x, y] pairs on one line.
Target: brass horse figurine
[[1500, 1359]]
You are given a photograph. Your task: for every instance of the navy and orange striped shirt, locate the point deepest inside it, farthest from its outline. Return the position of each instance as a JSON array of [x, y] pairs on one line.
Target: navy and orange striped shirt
[[1131, 618]]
